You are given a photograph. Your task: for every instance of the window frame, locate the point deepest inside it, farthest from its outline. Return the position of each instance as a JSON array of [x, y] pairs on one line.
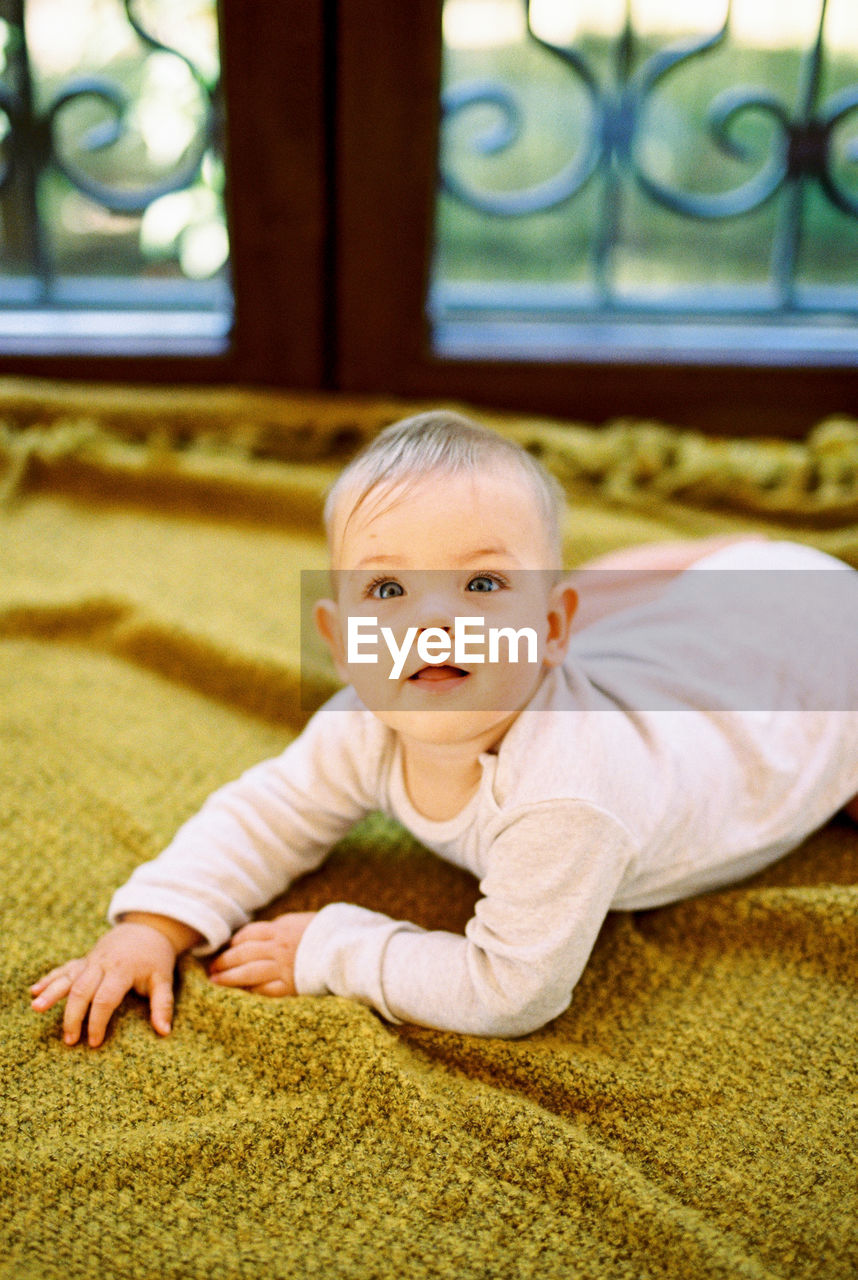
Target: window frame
[[277, 209], [332, 128]]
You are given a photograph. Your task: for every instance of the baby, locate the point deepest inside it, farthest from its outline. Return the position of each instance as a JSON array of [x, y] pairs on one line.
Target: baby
[[572, 768]]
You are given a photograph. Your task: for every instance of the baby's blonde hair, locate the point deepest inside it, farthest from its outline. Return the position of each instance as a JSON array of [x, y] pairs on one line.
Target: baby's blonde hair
[[447, 442]]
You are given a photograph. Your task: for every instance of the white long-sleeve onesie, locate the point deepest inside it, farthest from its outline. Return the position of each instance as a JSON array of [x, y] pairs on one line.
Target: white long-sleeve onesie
[[631, 780]]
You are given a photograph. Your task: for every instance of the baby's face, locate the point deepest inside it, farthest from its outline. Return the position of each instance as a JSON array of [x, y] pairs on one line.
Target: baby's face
[[415, 559]]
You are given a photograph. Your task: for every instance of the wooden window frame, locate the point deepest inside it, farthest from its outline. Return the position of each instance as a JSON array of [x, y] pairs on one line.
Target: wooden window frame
[[332, 127]]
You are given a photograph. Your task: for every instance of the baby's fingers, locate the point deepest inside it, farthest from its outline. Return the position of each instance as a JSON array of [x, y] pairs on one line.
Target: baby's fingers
[[256, 931], [238, 952], [55, 985], [107, 996], [42, 982], [250, 974], [80, 994], [276, 988], [161, 1005]]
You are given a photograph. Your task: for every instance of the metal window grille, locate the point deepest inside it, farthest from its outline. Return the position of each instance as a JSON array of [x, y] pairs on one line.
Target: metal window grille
[[112, 229], [630, 194]]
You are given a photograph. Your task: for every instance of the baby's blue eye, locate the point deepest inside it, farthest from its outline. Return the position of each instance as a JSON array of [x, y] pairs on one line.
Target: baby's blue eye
[[483, 583], [386, 590]]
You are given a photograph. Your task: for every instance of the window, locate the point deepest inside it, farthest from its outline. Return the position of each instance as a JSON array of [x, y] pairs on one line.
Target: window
[[327, 121], [388, 338], [171, 166], [649, 179], [112, 214]]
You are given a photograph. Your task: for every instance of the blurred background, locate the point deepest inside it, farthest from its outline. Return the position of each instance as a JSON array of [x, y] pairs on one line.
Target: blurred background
[[586, 149], [350, 197], [113, 181]]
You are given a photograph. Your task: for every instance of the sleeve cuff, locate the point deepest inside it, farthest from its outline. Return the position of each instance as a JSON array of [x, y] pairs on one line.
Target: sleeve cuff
[[342, 954], [196, 915]]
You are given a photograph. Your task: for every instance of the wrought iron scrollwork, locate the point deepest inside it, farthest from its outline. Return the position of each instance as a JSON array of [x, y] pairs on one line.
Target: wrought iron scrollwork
[[507, 130], [799, 147], [722, 115], [34, 140]]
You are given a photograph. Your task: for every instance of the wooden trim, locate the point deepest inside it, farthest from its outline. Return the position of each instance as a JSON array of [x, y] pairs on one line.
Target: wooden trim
[[275, 75], [730, 401], [159, 370], [389, 79]]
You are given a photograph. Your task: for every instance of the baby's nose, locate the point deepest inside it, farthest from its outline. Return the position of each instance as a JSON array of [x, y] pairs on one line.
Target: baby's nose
[[436, 622], [436, 611]]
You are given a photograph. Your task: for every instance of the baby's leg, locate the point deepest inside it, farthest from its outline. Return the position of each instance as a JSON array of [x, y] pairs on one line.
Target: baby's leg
[[668, 557], [634, 575]]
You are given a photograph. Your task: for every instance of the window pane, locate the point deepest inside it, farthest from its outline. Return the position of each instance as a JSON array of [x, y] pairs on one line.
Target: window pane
[[112, 227], [648, 179]]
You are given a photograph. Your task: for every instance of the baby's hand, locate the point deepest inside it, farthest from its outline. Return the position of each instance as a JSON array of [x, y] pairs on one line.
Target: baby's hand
[[132, 954], [261, 956]]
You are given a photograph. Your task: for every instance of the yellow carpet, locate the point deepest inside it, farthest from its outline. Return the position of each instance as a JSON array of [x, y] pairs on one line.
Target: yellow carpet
[[693, 1114]]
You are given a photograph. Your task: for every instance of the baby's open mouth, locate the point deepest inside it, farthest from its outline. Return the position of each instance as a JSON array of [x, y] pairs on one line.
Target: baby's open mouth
[[435, 674]]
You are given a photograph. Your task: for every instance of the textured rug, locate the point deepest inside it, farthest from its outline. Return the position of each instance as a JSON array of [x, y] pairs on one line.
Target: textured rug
[[693, 1114]]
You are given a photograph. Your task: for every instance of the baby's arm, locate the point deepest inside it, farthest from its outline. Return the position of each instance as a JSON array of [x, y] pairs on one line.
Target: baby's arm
[[139, 952], [257, 835], [250, 840], [552, 874]]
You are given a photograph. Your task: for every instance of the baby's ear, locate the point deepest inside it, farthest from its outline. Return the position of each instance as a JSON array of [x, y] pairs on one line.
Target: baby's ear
[[326, 616], [562, 603]]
